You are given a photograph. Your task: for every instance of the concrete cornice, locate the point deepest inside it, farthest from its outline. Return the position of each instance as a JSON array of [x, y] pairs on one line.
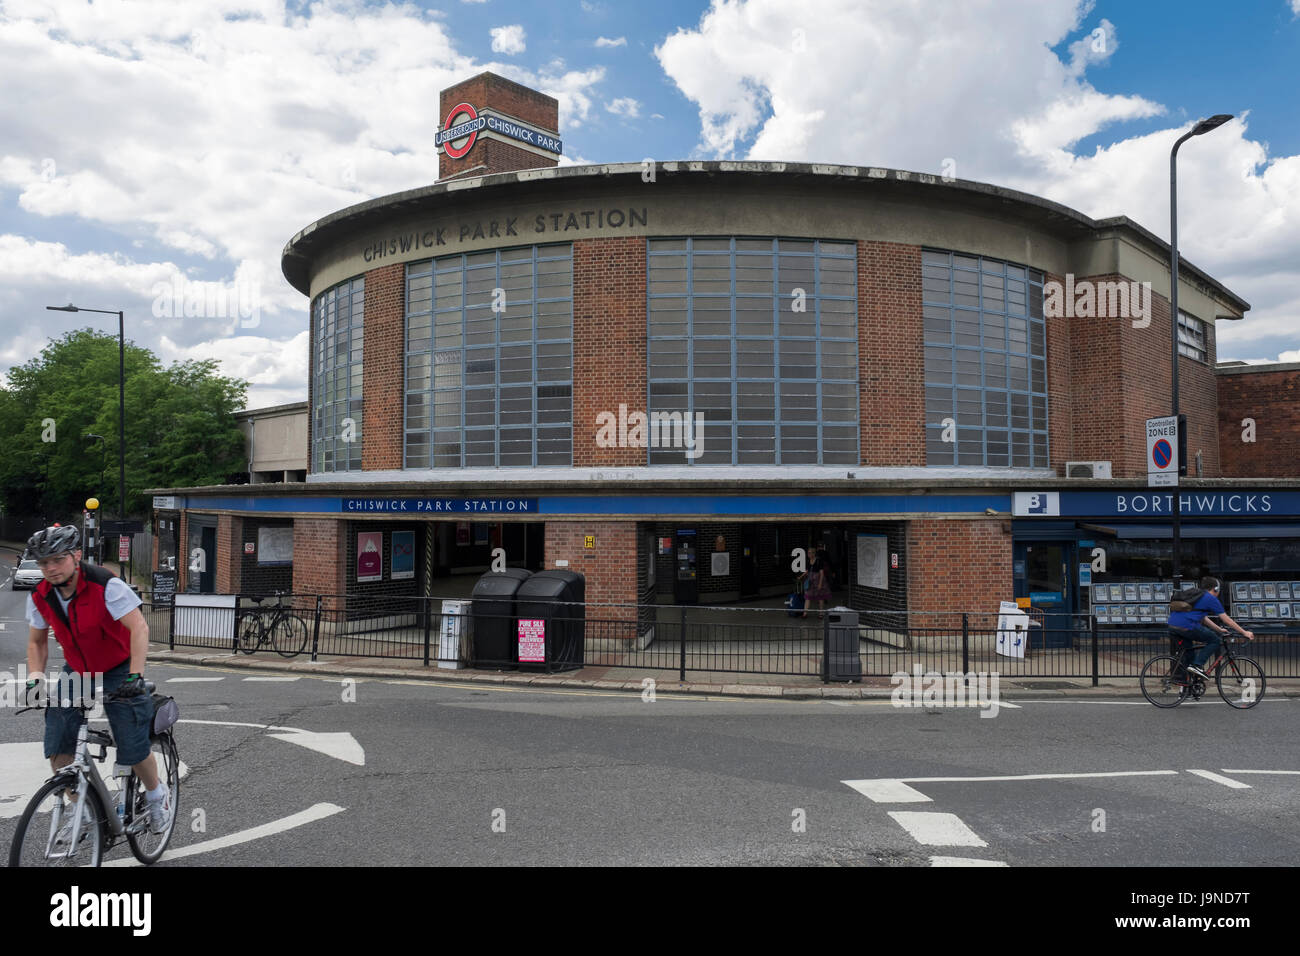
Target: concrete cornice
[[1043, 213]]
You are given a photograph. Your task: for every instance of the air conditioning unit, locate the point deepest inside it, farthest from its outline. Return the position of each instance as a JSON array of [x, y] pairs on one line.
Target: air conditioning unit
[[1087, 469]]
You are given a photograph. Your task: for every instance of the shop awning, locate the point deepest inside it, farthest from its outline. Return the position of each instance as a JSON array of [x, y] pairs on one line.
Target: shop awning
[[1209, 531]]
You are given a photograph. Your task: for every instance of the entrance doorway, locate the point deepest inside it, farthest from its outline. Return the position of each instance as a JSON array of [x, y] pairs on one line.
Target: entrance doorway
[[1042, 574]]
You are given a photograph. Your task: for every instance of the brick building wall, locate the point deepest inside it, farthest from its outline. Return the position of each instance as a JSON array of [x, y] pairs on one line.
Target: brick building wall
[[955, 566], [609, 342], [230, 553], [382, 370], [1062, 425], [318, 560], [1272, 399], [610, 568], [891, 354]]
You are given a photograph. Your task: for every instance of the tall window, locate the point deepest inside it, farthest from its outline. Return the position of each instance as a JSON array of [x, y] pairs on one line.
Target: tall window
[[339, 318], [1191, 337], [489, 359], [985, 362], [760, 336]]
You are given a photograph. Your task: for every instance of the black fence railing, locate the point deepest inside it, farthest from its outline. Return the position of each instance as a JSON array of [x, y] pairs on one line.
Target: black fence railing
[[697, 640]]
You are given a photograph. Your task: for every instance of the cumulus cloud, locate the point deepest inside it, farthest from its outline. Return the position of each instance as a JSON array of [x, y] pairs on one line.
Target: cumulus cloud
[[624, 106], [976, 90], [622, 41], [508, 40], [192, 140]]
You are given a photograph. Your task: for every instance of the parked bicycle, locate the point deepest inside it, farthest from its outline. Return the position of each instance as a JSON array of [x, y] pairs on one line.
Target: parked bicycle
[[1166, 682], [74, 818], [276, 626]]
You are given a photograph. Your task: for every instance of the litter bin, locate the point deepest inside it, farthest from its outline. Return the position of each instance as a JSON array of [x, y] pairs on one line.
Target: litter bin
[[841, 652], [552, 621], [494, 617]]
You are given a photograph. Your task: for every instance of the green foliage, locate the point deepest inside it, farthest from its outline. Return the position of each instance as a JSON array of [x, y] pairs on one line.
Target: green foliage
[[180, 427]]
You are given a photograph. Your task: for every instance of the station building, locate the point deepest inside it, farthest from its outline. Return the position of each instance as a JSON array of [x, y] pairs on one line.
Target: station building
[[669, 376]]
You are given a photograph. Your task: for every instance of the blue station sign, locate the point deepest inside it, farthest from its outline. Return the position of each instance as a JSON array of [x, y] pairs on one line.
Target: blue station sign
[[426, 506]]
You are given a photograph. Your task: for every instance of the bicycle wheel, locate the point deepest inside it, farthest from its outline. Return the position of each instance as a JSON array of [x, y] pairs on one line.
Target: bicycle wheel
[[147, 845], [1241, 682], [289, 635], [35, 840], [1158, 682], [250, 632]]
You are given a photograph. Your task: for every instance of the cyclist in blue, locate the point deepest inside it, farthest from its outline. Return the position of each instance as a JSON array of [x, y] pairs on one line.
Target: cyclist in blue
[[1198, 624]]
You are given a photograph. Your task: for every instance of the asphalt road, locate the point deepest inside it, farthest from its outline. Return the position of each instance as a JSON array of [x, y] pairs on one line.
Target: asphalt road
[[320, 771]]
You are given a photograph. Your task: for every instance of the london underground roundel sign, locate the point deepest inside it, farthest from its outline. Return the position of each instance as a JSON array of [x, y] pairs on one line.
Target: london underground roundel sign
[[463, 123]]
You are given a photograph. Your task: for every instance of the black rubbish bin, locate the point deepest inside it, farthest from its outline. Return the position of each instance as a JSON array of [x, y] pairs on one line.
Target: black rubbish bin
[[494, 617], [552, 621], [842, 661]]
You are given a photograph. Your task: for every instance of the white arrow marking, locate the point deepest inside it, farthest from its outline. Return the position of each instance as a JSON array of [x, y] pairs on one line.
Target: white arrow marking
[[936, 829], [1218, 778], [340, 746], [318, 812], [963, 861]]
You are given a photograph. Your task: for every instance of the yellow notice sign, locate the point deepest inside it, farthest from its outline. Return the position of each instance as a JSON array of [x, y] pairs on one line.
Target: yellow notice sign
[[1022, 602], [589, 541]]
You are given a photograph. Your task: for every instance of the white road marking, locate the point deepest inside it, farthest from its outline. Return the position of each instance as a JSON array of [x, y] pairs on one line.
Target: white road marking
[[192, 680], [1292, 773], [1217, 778], [887, 791], [936, 829], [318, 812], [278, 680], [963, 861], [220, 723], [340, 746], [23, 768], [895, 789]]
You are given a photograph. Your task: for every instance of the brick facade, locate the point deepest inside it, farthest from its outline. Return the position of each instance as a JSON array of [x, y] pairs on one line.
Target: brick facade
[[230, 553], [610, 568], [1271, 398], [489, 91], [319, 564], [957, 566], [383, 372], [609, 343], [891, 355]]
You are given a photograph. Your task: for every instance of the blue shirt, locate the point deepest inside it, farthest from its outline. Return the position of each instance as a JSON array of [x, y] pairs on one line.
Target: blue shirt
[[1205, 605]]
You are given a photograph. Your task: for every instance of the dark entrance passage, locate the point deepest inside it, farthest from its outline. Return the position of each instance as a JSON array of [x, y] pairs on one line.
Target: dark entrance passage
[[461, 551]]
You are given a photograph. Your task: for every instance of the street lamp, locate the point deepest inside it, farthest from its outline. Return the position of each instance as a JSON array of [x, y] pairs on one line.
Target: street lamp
[[121, 398], [1201, 127], [103, 464]]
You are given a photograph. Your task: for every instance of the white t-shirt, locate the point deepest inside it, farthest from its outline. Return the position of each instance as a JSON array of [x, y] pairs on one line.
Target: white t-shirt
[[118, 598]]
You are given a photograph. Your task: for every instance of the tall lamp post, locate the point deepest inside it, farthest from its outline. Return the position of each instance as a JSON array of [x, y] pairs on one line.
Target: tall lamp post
[[99, 489], [1202, 126], [121, 398]]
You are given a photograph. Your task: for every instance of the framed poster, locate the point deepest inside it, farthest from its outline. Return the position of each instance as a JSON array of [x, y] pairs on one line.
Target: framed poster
[[873, 561], [274, 546], [1284, 610], [1256, 591], [1257, 611], [370, 556], [1145, 593], [1284, 590], [1240, 591], [403, 560], [1130, 592], [721, 564], [1103, 614]]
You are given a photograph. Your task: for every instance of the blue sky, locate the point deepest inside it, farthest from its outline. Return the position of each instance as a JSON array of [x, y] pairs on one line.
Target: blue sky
[[149, 144]]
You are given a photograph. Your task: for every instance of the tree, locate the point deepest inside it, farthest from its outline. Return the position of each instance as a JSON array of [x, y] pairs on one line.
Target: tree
[[180, 427]]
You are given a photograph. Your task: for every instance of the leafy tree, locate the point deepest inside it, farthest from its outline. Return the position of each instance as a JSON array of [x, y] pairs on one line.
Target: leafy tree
[[180, 427]]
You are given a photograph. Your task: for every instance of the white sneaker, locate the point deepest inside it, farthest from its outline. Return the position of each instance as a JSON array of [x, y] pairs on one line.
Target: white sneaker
[[160, 813]]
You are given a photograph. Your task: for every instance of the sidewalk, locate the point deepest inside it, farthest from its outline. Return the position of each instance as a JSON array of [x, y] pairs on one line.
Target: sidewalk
[[630, 679]]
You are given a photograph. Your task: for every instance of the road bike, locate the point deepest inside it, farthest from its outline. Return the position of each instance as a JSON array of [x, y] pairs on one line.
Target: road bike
[[276, 626], [75, 817], [1167, 683]]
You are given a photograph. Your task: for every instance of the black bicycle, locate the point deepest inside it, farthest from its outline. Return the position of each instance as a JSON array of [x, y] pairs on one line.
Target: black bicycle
[[1166, 682], [74, 817], [276, 626]]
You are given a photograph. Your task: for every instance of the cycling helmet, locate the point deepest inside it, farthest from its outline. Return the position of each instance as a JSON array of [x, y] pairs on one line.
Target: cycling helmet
[[52, 542]]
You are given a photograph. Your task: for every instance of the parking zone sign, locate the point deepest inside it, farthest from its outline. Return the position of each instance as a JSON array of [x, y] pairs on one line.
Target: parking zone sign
[[1162, 452]]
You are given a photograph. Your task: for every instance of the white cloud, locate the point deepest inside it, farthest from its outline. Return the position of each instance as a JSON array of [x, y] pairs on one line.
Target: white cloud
[[923, 86], [1295, 8], [624, 106], [179, 142], [508, 40], [622, 41]]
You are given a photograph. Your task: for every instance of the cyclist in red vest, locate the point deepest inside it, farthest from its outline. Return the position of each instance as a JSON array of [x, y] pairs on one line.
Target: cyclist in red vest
[[98, 624]]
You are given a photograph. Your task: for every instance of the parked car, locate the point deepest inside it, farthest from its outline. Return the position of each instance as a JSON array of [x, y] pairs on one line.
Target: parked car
[[27, 576]]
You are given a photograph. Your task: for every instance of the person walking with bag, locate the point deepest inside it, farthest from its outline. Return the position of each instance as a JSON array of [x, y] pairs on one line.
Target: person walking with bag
[[817, 585]]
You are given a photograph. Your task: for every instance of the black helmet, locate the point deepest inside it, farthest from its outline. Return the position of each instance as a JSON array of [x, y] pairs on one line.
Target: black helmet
[[51, 542]]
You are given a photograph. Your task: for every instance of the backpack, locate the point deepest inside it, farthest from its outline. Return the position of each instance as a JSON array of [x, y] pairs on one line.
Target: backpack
[[1185, 600]]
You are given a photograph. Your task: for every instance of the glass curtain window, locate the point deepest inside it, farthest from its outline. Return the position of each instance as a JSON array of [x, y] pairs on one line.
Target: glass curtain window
[[985, 362], [338, 318], [489, 359], [760, 336]]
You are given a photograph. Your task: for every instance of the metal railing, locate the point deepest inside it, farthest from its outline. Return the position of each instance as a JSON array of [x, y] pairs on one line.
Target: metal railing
[[698, 640]]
